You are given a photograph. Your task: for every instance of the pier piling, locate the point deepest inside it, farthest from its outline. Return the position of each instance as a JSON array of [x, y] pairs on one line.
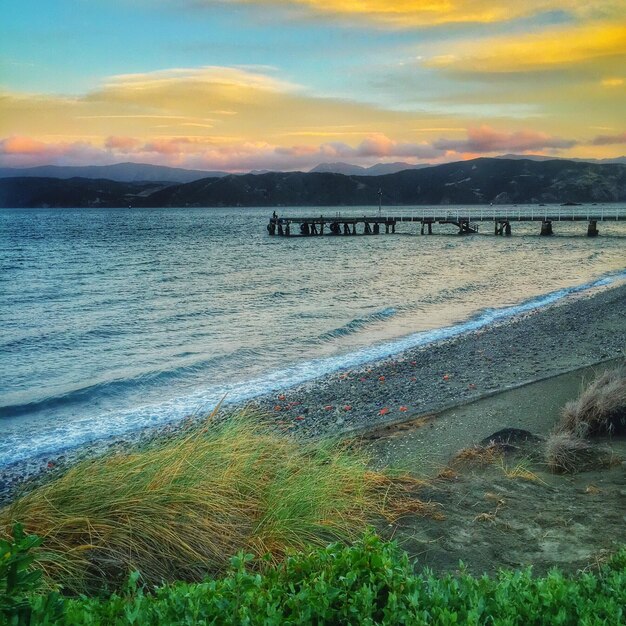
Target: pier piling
[[546, 228], [592, 229]]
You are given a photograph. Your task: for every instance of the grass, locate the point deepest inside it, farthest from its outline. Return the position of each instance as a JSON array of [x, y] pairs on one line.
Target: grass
[[599, 410], [520, 471], [179, 509], [566, 453], [477, 456]]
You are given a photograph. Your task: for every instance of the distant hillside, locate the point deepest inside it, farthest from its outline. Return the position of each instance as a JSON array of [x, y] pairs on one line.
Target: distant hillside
[[356, 170], [480, 181], [121, 172], [24, 192], [540, 157]]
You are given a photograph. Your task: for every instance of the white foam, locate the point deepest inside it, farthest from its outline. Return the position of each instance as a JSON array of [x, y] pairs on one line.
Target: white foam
[[30, 440]]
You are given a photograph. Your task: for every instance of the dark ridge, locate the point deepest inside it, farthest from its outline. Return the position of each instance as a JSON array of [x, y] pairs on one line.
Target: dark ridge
[[479, 181]]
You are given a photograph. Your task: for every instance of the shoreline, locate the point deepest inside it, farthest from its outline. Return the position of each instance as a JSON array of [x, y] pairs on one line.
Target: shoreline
[[581, 329]]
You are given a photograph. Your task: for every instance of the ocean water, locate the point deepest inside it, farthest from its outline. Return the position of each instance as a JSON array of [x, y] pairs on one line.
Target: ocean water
[[115, 319]]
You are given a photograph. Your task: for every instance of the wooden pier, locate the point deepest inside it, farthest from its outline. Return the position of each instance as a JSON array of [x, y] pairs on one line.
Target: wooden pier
[[467, 221]]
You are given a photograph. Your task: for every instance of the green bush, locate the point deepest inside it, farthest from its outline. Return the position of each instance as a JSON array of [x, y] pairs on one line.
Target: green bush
[[371, 582]]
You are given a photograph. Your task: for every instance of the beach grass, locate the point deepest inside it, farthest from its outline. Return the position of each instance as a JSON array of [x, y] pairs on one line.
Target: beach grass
[[600, 409], [181, 507]]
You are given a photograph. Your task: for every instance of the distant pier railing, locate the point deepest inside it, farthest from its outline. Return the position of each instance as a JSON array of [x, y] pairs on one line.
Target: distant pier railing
[[466, 220]]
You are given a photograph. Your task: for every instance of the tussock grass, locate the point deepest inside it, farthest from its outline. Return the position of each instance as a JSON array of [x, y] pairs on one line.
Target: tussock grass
[[179, 509], [566, 453], [600, 408]]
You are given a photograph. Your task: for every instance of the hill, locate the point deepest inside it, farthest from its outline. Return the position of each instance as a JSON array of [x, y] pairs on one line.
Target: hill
[[121, 172], [479, 181], [24, 192]]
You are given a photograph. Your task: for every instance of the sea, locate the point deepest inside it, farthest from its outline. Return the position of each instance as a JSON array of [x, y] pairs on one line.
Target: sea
[[112, 320]]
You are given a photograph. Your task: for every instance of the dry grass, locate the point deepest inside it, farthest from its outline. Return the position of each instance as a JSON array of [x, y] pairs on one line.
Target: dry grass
[[519, 471], [600, 408], [566, 453], [179, 509], [479, 456]]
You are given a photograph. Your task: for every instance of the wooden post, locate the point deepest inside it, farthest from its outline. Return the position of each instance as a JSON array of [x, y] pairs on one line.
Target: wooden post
[[546, 228], [376, 228], [592, 229], [287, 230], [393, 227], [507, 229], [430, 228]]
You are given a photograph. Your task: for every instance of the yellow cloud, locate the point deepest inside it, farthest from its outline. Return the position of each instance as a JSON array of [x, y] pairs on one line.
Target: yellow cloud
[[210, 103], [556, 48], [407, 13], [612, 82]]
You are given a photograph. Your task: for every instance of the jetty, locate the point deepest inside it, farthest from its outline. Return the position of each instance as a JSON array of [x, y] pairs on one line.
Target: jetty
[[466, 221]]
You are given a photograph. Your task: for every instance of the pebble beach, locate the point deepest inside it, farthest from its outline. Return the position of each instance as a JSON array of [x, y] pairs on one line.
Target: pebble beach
[[580, 330]]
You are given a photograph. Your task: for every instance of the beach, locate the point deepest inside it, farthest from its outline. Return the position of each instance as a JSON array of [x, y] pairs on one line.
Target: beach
[[575, 332], [579, 330]]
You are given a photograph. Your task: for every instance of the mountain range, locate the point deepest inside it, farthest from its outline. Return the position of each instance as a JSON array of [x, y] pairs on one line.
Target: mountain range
[[477, 181]]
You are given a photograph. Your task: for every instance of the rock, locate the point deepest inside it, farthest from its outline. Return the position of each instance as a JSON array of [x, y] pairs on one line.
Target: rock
[[509, 438]]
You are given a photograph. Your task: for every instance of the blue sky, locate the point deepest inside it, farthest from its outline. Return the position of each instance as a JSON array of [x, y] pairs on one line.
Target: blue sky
[[292, 83]]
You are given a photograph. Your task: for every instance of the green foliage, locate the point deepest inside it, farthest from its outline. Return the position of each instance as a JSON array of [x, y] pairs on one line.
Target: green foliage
[[371, 582], [18, 579]]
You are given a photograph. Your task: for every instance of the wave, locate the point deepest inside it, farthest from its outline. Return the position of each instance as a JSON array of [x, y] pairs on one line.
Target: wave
[[116, 387], [37, 439], [357, 324]]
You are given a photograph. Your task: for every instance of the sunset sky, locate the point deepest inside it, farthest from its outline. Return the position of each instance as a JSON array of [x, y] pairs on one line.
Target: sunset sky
[[286, 84]]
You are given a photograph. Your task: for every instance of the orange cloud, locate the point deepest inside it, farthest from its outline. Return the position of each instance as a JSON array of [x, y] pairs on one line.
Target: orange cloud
[[203, 153], [122, 144], [22, 145], [485, 139]]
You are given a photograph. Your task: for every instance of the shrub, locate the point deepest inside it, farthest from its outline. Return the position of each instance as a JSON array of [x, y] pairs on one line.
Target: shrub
[[371, 582]]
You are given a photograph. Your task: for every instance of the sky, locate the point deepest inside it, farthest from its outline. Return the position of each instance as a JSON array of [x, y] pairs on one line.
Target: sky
[[239, 85]]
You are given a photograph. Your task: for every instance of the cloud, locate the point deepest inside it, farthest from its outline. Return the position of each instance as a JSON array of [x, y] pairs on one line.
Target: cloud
[[607, 140], [24, 151], [612, 82], [121, 144], [485, 139], [416, 13], [599, 43], [205, 153]]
